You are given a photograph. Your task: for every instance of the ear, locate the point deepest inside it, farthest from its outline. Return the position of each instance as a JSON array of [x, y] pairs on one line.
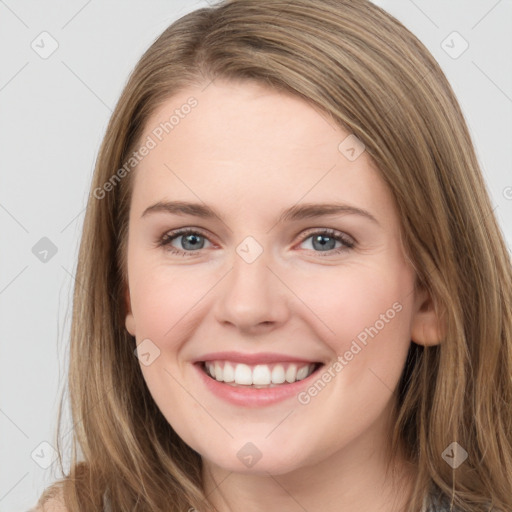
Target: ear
[[428, 328], [129, 320]]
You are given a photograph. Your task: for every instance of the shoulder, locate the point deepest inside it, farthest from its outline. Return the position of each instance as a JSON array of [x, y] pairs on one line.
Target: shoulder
[[53, 505], [53, 502]]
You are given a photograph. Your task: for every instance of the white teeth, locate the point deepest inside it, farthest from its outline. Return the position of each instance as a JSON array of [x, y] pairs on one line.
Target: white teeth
[[291, 373], [261, 375], [243, 374], [218, 372], [302, 373], [278, 374], [228, 372], [258, 375]]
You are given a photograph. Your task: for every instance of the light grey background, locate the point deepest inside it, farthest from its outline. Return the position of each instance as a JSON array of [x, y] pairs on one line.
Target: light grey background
[[53, 114]]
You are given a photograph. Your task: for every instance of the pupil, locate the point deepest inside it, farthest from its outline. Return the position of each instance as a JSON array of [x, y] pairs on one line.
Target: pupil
[[194, 241], [322, 244], [323, 241]]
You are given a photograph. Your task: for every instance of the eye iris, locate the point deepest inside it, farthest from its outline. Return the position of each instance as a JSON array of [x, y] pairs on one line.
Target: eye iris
[[318, 238], [324, 242], [186, 239]]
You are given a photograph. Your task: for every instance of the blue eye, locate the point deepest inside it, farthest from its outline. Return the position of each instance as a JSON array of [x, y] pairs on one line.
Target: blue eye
[[326, 239], [193, 241]]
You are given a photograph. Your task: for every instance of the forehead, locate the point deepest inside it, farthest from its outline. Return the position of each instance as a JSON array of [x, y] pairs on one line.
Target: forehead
[[240, 119], [236, 143]]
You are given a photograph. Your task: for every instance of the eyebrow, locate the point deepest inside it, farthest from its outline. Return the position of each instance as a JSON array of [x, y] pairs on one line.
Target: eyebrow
[[294, 213]]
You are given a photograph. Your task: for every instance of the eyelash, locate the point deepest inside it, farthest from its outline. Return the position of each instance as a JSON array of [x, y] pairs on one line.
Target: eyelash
[[168, 237]]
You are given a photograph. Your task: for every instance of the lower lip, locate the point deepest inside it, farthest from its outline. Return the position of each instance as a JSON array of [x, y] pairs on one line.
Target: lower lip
[[254, 397]]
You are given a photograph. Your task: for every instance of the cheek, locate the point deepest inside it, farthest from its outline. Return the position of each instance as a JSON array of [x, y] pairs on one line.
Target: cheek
[[165, 298], [349, 299], [366, 312]]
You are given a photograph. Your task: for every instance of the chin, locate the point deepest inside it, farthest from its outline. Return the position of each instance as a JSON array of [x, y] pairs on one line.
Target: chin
[[248, 459]]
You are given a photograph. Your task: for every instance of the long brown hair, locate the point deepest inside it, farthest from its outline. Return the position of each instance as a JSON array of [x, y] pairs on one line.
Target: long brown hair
[[374, 78]]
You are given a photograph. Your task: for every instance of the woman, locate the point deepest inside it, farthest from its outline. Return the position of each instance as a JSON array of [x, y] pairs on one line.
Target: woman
[[268, 375]]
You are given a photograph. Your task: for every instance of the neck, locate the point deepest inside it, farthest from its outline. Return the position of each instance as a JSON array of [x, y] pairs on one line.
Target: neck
[[352, 478]]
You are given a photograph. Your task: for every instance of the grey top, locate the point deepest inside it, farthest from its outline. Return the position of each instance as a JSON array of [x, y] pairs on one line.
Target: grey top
[[437, 502]]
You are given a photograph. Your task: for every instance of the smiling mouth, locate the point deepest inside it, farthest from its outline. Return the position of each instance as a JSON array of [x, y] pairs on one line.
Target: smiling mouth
[[259, 375]]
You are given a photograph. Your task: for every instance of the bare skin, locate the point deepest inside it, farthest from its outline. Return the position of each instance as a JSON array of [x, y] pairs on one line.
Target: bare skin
[[249, 153]]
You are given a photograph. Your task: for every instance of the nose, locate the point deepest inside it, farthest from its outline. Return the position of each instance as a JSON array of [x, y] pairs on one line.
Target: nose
[[252, 297]]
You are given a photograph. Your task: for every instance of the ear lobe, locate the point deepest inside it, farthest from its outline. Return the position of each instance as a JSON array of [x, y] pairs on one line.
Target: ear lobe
[[428, 328], [129, 319]]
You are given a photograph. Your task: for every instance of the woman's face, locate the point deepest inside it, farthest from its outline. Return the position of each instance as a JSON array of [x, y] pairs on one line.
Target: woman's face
[[274, 277]]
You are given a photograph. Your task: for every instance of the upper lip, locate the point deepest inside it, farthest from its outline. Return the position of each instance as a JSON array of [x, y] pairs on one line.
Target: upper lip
[[261, 357]]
